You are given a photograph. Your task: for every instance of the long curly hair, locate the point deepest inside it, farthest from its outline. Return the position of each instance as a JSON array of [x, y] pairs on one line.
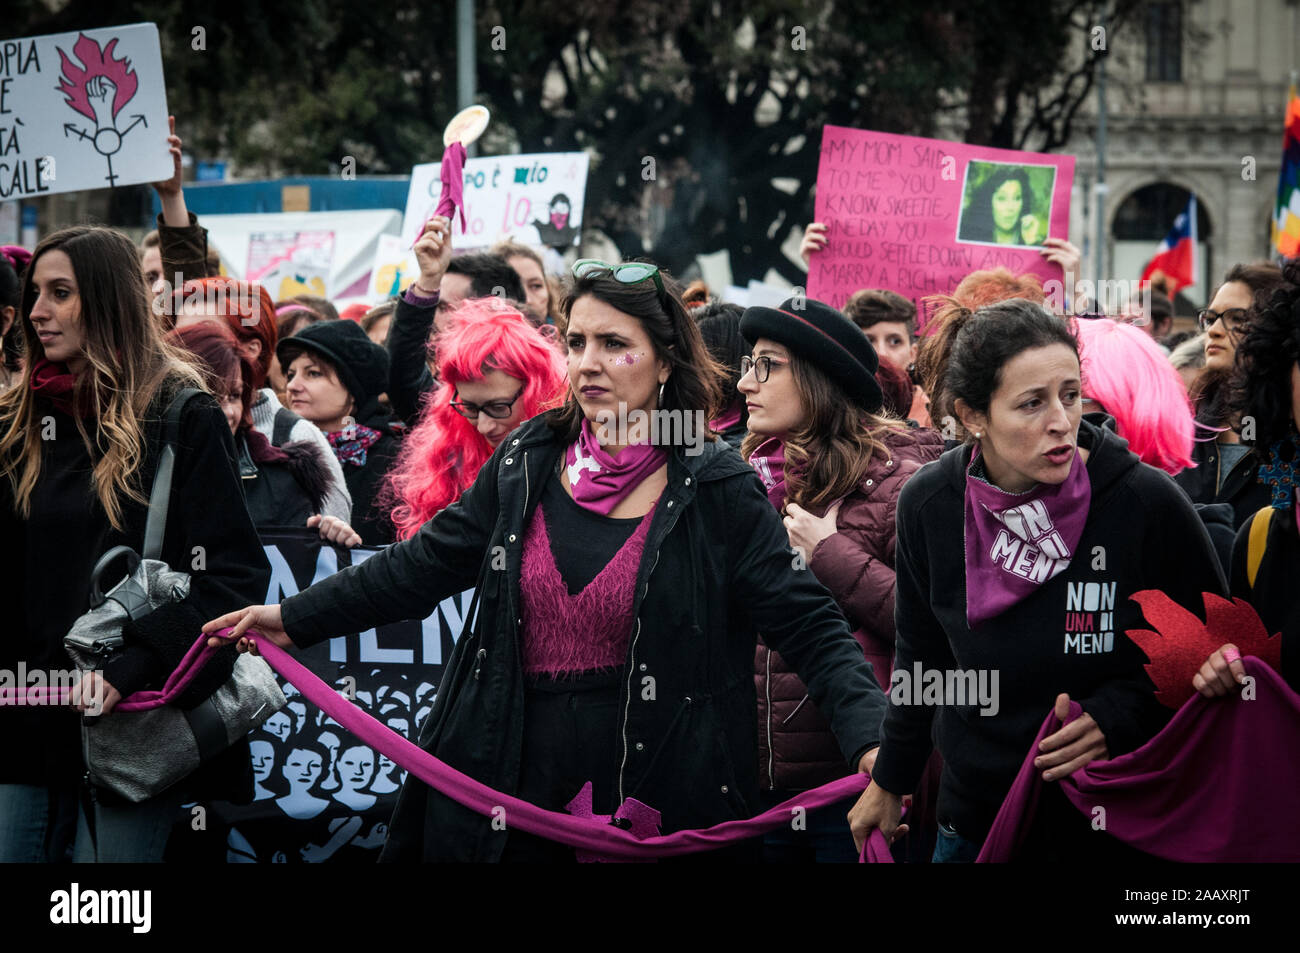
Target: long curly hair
[[1265, 357], [1124, 369], [442, 455]]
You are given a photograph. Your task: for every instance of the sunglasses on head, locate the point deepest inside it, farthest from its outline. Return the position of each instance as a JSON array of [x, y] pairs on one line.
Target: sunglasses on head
[[1137, 320], [629, 272]]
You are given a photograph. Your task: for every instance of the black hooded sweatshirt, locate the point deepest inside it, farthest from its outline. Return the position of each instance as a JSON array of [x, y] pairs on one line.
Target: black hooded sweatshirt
[[1067, 636]]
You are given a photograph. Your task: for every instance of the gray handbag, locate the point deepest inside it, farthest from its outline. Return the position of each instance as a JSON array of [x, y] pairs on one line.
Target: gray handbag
[[138, 754]]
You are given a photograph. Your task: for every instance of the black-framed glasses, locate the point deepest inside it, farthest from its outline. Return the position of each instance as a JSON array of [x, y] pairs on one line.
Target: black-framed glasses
[[1236, 320], [1137, 319], [762, 367], [629, 272], [496, 409]]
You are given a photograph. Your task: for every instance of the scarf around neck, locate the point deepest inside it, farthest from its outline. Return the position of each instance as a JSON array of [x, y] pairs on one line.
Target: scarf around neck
[[1015, 542], [56, 382], [352, 444], [768, 460], [600, 482]]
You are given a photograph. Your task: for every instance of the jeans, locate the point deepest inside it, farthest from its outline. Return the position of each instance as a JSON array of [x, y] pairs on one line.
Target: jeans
[[36, 823], [127, 833], [952, 848]]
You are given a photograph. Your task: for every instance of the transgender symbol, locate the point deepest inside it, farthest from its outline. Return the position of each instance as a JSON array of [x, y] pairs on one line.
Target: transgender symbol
[[98, 92]]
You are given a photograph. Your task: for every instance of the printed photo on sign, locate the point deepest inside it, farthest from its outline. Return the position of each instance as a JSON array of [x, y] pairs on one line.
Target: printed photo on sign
[[80, 111], [1006, 204]]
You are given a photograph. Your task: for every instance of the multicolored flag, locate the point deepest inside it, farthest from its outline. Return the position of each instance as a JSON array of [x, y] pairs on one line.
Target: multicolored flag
[[1175, 259], [1286, 216]]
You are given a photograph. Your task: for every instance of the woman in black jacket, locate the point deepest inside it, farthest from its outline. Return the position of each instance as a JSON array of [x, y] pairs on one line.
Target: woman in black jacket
[[1016, 557], [621, 584], [334, 375], [79, 443]]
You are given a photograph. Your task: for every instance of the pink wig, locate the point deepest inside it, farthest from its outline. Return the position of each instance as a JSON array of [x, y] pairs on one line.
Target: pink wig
[[1125, 370], [442, 455]]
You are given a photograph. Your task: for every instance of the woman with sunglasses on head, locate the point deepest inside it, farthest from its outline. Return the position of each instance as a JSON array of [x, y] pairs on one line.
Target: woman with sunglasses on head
[[1223, 471], [499, 371], [1017, 555], [833, 467], [334, 375], [620, 584]]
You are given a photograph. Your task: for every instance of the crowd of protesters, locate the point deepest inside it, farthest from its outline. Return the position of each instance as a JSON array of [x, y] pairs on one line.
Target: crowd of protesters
[[869, 497]]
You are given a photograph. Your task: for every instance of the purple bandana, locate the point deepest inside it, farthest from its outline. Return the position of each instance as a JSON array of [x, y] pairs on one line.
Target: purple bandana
[[1015, 542], [599, 481], [768, 460], [350, 445]]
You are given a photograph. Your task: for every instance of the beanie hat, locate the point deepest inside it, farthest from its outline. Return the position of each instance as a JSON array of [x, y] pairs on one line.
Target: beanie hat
[[824, 337], [362, 364]]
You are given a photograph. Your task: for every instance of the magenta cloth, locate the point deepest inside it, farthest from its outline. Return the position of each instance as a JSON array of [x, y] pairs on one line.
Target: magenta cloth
[[453, 183], [587, 632], [17, 255], [727, 419], [768, 460], [600, 481], [1015, 542], [1218, 784]]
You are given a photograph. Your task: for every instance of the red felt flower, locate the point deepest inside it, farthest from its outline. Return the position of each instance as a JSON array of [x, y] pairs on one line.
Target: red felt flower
[[1181, 642]]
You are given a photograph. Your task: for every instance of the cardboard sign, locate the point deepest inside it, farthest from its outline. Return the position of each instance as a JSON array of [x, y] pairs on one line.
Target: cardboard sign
[[916, 216], [394, 269], [536, 199], [288, 264], [81, 111]]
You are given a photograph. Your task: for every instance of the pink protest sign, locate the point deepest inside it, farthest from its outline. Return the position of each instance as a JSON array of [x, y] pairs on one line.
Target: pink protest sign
[[916, 216]]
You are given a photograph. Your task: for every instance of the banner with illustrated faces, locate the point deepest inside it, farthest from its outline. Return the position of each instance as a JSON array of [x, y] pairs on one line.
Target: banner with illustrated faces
[[916, 215], [320, 795], [536, 199], [84, 110]]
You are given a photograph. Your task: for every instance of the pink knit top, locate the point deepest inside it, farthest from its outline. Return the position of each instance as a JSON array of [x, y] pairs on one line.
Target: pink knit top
[[564, 633]]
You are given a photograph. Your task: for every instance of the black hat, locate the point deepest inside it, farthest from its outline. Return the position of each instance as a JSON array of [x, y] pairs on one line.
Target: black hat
[[362, 364], [824, 337]]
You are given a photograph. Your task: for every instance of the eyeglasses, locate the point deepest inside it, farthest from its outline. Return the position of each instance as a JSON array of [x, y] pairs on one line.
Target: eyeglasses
[[629, 272], [1235, 320], [1139, 319], [496, 409], [762, 367]]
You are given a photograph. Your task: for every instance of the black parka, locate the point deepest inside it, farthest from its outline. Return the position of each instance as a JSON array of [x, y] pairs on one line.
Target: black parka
[[716, 567]]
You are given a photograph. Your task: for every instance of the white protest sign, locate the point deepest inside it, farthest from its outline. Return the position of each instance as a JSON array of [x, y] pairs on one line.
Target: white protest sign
[[537, 199], [82, 111], [289, 263]]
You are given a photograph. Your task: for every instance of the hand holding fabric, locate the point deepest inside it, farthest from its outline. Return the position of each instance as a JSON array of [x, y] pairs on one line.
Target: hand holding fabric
[[876, 808], [1222, 672], [1075, 745], [266, 619]]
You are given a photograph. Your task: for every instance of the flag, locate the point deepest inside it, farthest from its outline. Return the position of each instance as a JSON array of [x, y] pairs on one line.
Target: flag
[[1176, 257], [1286, 215]]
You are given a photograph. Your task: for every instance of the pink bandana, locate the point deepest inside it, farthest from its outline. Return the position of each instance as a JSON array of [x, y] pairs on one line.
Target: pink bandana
[[768, 459], [1015, 542], [599, 481]]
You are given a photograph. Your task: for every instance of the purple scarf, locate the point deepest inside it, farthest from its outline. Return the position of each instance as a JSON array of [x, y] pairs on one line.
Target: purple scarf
[[351, 445], [599, 481], [1015, 542], [768, 460], [452, 198]]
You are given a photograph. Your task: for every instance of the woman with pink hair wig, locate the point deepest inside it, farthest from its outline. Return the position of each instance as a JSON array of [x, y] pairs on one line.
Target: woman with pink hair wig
[[492, 362], [1126, 376]]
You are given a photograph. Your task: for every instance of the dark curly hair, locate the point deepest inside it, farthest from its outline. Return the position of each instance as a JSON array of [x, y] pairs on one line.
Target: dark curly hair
[[1266, 356]]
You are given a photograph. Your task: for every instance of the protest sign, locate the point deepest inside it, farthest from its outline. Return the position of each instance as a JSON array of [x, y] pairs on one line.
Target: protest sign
[[394, 269], [916, 215], [291, 263], [81, 111], [537, 199], [319, 794]]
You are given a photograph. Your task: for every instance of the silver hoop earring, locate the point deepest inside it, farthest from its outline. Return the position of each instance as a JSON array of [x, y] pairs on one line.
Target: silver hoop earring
[[661, 394]]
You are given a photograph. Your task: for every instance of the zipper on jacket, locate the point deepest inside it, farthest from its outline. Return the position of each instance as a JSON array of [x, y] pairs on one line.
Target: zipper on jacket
[[767, 687], [631, 674], [682, 708]]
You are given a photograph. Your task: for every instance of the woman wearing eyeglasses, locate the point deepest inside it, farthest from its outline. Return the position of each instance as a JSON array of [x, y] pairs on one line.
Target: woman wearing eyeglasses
[[334, 375], [1222, 471], [620, 585], [833, 466], [498, 371]]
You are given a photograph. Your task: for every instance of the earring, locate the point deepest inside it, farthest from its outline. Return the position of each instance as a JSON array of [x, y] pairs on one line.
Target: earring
[[661, 394], [978, 435]]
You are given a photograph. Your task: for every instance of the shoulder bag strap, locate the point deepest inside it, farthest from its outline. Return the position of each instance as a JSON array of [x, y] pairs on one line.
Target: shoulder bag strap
[[284, 423], [1258, 540], [160, 497]]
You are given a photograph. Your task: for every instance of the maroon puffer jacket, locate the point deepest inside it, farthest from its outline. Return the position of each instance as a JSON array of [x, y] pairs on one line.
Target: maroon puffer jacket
[[795, 746]]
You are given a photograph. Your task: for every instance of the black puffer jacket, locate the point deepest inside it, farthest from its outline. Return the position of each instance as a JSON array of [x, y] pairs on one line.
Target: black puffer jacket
[[716, 567]]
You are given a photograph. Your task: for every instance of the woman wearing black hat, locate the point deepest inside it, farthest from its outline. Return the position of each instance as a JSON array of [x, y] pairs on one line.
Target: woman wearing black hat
[[833, 467], [334, 375], [620, 585]]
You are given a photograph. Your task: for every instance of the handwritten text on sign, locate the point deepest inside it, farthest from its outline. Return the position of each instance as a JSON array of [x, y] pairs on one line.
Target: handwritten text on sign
[[537, 199], [916, 215], [82, 111]]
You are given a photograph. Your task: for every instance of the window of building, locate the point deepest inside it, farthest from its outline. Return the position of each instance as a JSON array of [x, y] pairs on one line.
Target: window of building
[[1164, 41]]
